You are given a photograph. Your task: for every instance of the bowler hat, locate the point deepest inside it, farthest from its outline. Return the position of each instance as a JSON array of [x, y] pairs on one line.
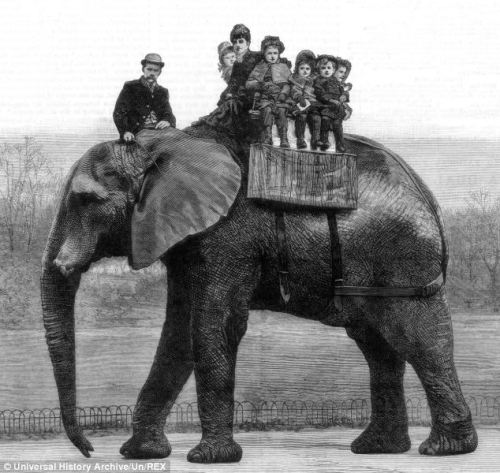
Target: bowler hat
[[152, 58]]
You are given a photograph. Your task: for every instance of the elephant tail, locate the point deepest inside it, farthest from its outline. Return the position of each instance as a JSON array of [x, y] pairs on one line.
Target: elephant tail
[[420, 186]]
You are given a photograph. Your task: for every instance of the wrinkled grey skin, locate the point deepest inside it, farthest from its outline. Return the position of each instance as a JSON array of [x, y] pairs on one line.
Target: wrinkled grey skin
[[395, 238]]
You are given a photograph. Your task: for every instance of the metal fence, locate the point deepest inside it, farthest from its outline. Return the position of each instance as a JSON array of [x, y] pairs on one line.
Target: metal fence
[[265, 415]]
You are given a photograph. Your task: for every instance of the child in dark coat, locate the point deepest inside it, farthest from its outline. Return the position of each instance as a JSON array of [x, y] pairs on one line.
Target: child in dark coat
[[330, 110], [341, 74], [270, 78], [302, 93]]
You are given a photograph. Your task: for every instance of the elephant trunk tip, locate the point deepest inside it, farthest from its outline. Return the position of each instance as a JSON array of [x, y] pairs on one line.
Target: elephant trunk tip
[[65, 268]]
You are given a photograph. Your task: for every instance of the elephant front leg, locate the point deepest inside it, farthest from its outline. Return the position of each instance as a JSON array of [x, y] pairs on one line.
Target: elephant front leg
[[172, 366], [218, 327], [388, 428]]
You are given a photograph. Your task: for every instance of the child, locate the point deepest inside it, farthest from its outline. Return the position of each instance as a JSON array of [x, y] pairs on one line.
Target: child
[[342, 73], [302, 93], [227, 57], [270, 78], [330, 110]]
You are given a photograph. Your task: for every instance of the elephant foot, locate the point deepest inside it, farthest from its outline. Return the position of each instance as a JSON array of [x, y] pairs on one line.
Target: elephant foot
[[145, 445], [215, 450], [380, 438], [450, 439]]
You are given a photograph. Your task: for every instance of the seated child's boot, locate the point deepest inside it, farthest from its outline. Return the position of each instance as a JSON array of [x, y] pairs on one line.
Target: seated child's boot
[[315, 128], [284, 142], [338, 133], [300, 128], [325, 144], [267, 136], [282, 125]]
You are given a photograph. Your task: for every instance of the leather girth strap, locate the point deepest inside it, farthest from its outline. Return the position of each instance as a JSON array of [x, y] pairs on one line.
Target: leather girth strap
[[336, 255], [282, 256], [368, 291], [338, 287]]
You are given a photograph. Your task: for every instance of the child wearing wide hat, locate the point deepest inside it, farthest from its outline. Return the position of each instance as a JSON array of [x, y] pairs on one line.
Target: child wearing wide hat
[[270, 78], [330, 110], [342, 73], [302, 92]]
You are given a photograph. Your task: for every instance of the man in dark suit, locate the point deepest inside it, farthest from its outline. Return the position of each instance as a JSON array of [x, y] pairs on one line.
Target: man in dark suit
[[143, 103]]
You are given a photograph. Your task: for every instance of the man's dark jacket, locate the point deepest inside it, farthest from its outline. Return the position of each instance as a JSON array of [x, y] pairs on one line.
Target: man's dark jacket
[[136, 102]]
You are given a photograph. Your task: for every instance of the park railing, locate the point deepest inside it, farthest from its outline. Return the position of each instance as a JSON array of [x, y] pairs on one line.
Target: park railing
[[264, 415]]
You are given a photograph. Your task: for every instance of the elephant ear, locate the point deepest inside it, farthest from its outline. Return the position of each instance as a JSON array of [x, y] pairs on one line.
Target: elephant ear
[[190, 186]]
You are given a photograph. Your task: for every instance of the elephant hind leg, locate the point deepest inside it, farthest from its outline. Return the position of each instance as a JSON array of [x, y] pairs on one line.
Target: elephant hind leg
[[387, 431], [423, 335]]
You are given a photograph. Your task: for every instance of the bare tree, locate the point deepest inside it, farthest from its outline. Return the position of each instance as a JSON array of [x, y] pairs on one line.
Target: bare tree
[[486, 214], [25, 179]]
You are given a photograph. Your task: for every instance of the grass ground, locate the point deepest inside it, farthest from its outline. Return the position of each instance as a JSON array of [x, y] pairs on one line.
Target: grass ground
[[276, 362]]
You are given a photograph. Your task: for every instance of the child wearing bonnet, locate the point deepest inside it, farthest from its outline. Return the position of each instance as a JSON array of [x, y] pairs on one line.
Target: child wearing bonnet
[[227, 58]]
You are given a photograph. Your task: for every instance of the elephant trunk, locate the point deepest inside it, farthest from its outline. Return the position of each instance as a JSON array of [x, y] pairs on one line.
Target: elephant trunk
[[58, 291]]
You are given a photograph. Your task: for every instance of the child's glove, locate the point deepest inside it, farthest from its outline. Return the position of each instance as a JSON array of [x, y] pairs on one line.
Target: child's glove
[[347, 86]]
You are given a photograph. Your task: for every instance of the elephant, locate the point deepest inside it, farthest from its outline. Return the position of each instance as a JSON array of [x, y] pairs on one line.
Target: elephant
[[180, 197]]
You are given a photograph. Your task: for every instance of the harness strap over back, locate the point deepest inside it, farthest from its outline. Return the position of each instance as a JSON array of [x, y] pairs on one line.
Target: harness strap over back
[[282, 255], [338, 287], [336, 255]]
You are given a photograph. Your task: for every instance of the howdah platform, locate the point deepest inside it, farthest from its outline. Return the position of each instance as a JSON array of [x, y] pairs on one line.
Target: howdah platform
[[306, 178]]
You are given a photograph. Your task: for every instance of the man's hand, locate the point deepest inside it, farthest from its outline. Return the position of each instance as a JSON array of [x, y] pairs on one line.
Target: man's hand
[[343, 98], [162, 124], [128, 137]]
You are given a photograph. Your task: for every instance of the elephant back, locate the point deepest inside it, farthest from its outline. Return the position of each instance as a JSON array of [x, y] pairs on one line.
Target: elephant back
[[386, 181]]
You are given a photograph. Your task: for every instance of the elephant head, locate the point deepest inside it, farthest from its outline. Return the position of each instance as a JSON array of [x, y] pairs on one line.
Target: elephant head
[[187, 186]]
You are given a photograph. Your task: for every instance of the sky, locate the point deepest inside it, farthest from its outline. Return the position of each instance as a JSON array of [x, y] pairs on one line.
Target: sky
[[422, 69]]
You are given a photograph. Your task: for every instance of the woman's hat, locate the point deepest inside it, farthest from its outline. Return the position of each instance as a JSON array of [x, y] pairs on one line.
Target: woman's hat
[[152, 58], [239, 31]]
